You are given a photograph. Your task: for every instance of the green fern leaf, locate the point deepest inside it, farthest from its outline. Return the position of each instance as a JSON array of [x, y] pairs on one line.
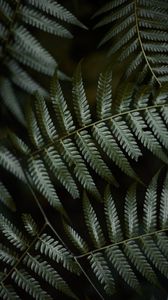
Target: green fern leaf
[[141, 31], [92, 156], [6, 198], [104, 95], [136, 256], [55, 9], [11, 163], [53, 249], [62, 113], [8, 256], [29, 284], [92, 223], [37, 171], [20, 48], [150, 206], [105, 139], [163, 205], [133, 248], [30, 225], [28, 270], [7, 292], [12, 233], [40, 21], [72, 150], [154, 254], [58, 167], [43, 269], [80, 102], [102, 272], [121, 264], [112, 220], [131, 218], [43, 117], [76, 239]]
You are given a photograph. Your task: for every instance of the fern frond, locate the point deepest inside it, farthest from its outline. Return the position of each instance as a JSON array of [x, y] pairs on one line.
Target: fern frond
[[10, 162], [6, 198], [164, 205], [112, 220], [102, 272], [48, 273], [138, 30], [7, 292], [131, 218], [28, 270], [121, 264], [138, 259], [10, 100], [38, 172], [55, 9], [69, 148], [137, 247], [53, 249], [75, 238], [20, 48], [8, 256], [12, 233], [92, 223], [30, 225], [150, 203], [29, 284], [80, 102]]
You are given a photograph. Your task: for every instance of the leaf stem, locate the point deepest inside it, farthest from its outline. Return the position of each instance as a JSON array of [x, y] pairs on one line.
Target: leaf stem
[[141, 45], [122, 242], [69, 135]]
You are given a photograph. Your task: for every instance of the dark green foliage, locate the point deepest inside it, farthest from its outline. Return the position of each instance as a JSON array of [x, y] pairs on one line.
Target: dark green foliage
[[19, 48], [133, 248], [28, 251], [68, 149], [138, 29], [89, 214]]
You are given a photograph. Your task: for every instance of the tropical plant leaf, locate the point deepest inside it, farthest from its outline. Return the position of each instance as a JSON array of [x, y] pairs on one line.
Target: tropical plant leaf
[[19, 47], [133, 248], [66, 150], [21, 255], [138, 30], [126, 242]]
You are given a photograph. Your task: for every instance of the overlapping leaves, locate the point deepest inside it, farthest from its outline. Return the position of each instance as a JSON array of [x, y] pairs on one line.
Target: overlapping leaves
[[128, 239], [33, 262], [134, 241], [138, 30], [75, 150], [19, 47]]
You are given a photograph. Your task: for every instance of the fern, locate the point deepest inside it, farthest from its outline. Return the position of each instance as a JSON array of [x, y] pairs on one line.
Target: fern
[[138, 30], [19, 48], [68, 149], [133, 248], [32, 250], [6, 198], [97, 228], [32, 254]]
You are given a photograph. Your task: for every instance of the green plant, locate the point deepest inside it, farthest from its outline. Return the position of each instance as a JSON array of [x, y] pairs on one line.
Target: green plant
[[71, 152], [19, 47], [139, 30], [133, 248], [94, 220]]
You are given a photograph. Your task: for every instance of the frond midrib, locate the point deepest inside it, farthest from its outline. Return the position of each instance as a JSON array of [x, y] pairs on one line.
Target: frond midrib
[[77, 131], [141, 44], [29, 246], [138, 237]]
